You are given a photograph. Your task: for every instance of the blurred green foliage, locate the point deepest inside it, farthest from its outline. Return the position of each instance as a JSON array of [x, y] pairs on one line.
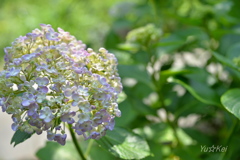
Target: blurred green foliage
[[87, 20], [178, 59]]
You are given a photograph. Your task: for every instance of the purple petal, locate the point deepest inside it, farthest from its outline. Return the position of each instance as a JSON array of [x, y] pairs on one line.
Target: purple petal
[[94, 135], [75, 97], [42, 81], [68, 92], [111, 125], [25, 103], [43, 89], [74, 103], [14, 126], [61, 139]]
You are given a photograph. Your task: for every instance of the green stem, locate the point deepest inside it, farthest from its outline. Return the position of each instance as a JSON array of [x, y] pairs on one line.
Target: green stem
[[170, 123], [77, 146], [161, 98]]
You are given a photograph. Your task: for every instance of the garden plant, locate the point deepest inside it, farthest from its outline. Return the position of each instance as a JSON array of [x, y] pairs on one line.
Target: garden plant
[[163, 85]]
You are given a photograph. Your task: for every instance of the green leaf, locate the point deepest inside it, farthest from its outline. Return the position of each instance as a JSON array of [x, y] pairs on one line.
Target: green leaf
[[111, 40], [125, 144], [19, 137], [137, 72], [228, 40], [189, 152], [233, 51], [201, 92], [198, 136], [183, 39], [54, 151], [163, 133], [189, 105], [133, 47], [165, 74], [123, 57], [231, 101], [169, 44], [129, 114], [226, 61], [172, 72], [100, 153], [141, 108]]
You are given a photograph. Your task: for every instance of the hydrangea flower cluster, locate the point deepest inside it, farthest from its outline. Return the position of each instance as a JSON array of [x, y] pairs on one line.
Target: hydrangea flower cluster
[[50, 80], [144, 36]]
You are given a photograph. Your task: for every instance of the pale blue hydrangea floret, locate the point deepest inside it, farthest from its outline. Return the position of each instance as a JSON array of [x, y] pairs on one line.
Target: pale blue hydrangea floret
[[32, 110], [50, 80], [13, 72], [60, 138], [46, 114], [82, 127], [42, 81], [67, 117], [27, 99]]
